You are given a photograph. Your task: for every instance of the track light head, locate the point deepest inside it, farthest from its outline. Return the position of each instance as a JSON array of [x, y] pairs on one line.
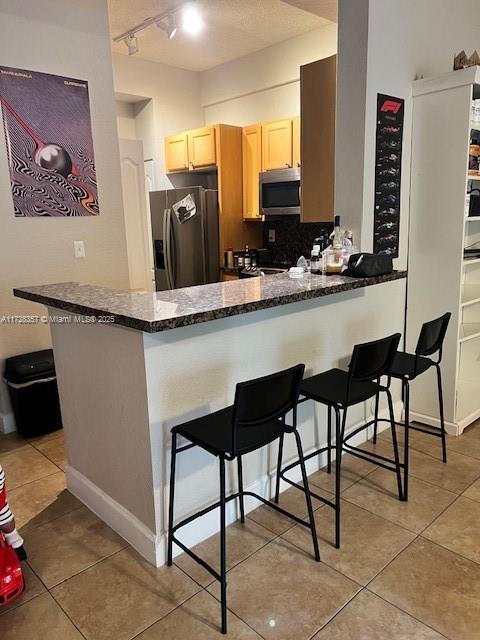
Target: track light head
[[132, 44], [168, 25]]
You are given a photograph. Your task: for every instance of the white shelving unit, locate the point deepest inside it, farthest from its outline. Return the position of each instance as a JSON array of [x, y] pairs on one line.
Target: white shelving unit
[[440, 278]]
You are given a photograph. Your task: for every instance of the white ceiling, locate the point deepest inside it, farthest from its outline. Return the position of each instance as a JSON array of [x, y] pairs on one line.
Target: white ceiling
[[232, 28]]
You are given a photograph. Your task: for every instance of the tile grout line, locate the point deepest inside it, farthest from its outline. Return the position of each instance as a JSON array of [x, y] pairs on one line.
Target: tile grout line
[[407, 613], [47, 590], [417, 536]]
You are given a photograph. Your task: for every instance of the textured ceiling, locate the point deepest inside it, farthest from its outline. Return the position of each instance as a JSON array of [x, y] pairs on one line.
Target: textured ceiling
[[232, 28]]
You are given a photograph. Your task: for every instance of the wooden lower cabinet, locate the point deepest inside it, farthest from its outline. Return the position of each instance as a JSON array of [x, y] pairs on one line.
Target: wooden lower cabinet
[[252, 165]]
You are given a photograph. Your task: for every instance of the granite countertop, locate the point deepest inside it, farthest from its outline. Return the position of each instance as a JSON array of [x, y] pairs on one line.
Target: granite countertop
[[153, 312]]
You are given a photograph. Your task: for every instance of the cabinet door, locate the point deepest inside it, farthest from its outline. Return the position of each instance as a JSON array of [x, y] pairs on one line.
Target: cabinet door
[[318, 102], [252, 165], [201, 147], [176, 153], [297, 161], [277, 150]]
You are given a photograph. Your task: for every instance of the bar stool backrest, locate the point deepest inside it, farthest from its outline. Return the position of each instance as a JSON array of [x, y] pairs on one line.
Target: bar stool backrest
[[372, 360], [432, 335], [265, 399]]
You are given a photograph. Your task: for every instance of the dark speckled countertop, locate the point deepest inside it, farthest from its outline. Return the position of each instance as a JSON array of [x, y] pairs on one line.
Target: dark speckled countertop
[[152, 312]]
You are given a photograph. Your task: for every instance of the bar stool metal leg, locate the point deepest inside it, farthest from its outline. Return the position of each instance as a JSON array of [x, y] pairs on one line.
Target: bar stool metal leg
[[339, 431], [240, 489], [375, 426], [308, 497], [173, 457], [442, 417], [329, 440], [279, 469], [223, 546], [395, 445], [406, 421]]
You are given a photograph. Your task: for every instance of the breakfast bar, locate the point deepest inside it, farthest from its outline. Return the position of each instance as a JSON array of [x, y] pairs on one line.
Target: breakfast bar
[[130, 366]]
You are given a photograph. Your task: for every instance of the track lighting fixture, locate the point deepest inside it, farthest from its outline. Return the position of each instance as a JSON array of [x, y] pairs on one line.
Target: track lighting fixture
[[132, 44], [191, 22], [168, 25]]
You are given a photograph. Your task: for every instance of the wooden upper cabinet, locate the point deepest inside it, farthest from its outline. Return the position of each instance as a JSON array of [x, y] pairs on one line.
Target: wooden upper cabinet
[[318, 102], [252, 165], [176, 152], [297, 158], [201, 147], [277, 152]]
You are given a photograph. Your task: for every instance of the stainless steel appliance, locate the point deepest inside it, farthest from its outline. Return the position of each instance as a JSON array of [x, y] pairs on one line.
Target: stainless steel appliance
[[186, 249], [280, 192]]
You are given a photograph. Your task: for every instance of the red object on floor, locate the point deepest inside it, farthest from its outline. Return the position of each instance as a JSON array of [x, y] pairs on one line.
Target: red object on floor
[[11, 576]]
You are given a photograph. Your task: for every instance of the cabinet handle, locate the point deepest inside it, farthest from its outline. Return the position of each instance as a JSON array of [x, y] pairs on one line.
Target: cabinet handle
[[299, 164], [287, 165]]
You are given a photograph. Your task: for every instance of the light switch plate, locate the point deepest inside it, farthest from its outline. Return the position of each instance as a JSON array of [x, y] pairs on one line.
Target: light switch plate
[[271, 235], [79, 248]]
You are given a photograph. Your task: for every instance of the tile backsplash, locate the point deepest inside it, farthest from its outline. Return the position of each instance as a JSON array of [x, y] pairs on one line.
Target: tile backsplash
[[292, 238]]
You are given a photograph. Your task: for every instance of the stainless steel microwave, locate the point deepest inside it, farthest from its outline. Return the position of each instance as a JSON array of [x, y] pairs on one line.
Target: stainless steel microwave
[[280, 192]]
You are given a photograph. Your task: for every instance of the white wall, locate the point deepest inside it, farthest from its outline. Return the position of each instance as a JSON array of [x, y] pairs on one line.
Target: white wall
[[264, 85], [403, 39], [175, 105], [72, 39], [126, 120]]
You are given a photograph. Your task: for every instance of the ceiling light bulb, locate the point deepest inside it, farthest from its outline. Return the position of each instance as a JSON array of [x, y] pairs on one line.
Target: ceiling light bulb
[[191, 20], [132, 44]]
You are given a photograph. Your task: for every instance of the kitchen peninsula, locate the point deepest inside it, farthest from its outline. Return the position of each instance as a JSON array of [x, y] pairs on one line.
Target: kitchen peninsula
[[132, 365]]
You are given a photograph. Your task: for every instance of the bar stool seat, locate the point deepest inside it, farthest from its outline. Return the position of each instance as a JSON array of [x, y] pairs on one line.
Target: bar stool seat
[[332, 387], [408, 365], [209, 432]]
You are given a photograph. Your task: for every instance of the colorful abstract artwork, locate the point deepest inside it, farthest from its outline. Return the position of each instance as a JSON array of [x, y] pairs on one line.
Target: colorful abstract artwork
[[49, 143]]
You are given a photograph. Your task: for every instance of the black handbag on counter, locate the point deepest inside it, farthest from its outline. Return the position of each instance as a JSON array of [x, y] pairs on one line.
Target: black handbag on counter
[[368, 265]]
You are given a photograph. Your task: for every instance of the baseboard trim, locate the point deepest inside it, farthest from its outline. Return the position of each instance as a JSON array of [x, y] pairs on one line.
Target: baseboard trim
[[452, 428], [7, 423], [153, 547], [128, 526]]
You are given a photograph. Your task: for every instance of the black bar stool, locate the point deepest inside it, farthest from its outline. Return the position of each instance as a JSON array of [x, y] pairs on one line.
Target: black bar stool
[[256, 419], [408, 366], [338, 390]]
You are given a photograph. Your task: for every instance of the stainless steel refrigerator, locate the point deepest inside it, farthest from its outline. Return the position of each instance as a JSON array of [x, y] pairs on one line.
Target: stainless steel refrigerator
[[185, 246]]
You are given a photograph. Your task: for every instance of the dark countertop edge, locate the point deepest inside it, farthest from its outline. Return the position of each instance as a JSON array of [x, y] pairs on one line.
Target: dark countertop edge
[[213, 314]]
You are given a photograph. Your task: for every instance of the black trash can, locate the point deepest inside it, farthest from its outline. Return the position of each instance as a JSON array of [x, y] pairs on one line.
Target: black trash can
[[32, 386]]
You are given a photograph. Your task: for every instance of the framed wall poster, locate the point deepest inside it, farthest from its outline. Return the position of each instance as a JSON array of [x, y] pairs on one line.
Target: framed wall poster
[[388, 174], [48, 134]]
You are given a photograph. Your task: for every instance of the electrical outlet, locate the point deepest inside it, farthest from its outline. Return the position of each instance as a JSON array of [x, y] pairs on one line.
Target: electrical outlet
[[271, 235], [79, 248]]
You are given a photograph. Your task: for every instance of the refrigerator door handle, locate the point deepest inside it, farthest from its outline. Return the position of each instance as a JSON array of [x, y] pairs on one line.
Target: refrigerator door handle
[[166, 245], [172, 256], [204, 224]]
